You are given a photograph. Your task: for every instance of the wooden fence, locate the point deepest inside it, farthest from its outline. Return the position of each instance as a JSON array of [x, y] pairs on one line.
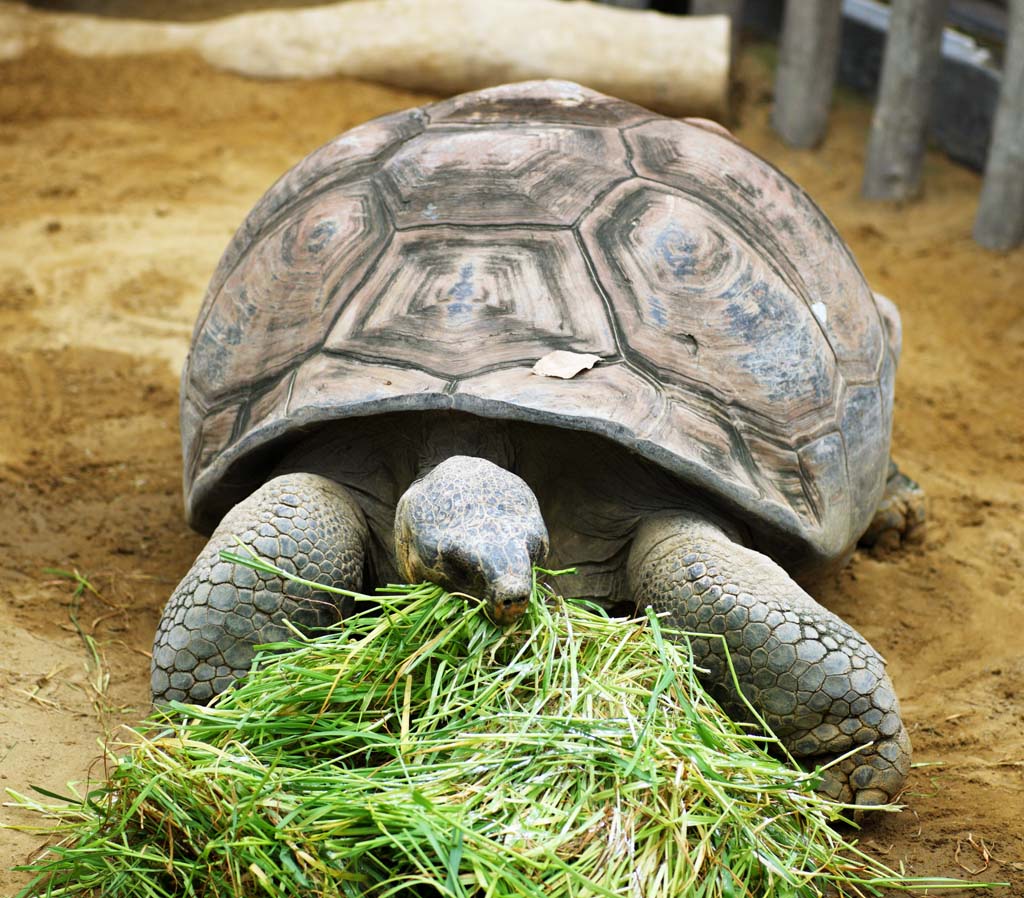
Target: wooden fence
[[809, 48]]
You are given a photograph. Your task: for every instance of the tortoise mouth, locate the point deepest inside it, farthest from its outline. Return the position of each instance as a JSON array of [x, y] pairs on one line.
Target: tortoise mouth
[[508, 610]]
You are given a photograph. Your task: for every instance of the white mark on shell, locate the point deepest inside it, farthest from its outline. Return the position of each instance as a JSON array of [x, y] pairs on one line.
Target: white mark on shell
[[820, 311], [566, 93]]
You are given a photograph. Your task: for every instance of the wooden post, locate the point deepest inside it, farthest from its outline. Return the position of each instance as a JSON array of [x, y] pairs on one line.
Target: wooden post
[[1000, 221], [899, 126], [808, 58]]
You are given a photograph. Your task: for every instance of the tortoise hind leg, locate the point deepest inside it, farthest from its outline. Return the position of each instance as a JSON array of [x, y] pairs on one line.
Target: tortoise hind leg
[[900, 516], [304, 524], [817, 682]]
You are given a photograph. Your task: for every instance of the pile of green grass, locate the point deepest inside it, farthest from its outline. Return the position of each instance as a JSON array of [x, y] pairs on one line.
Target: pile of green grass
[[420, 750]]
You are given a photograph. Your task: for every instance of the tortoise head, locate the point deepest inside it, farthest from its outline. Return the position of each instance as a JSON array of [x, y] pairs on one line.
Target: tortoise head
[[472, 527]]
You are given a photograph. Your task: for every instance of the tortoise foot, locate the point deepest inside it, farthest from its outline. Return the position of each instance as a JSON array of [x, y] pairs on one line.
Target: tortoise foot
[[900, 517], [874, 775], [816, 682], [304, 524]]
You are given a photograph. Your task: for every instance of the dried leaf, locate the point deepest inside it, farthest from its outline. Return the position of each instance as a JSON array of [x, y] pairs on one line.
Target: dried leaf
[[561, 363]]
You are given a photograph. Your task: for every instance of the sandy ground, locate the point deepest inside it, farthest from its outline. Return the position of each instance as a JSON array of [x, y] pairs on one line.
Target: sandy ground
[[120, 184]]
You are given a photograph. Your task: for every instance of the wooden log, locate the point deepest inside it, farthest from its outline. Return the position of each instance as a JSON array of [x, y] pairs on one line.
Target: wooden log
[[1000, 221], [731, 8], [899, 125], [808, 59], [678, 65]]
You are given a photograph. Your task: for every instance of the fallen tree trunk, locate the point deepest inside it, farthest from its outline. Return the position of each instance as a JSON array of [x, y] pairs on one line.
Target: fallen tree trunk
[[674, 64]]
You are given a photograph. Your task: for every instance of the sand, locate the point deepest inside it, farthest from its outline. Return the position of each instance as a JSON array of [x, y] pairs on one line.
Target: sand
[[121, 182]]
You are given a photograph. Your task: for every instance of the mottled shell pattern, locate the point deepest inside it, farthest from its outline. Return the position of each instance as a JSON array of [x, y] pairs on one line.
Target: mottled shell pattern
[[427, 259]]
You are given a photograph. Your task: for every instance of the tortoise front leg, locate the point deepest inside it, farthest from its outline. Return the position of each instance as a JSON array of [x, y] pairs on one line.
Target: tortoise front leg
[[817, 682], [303, 523]]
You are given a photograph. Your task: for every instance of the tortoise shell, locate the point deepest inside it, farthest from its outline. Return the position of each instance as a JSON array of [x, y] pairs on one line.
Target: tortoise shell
[[427, 259]]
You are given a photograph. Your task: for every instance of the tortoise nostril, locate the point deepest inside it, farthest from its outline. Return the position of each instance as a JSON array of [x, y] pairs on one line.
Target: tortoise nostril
[[507, 609]]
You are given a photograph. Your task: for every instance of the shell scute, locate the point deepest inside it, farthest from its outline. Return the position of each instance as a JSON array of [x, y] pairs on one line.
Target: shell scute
[[325, 382], [351, 155], [826, 484], [864, 426], [218, 430], [190, 421], [269, 407], [703, 432], [538, 101], [704, 309], [632, 400], [275, 308], [777, 217], [532, 174], [778, 471], [437, 291]]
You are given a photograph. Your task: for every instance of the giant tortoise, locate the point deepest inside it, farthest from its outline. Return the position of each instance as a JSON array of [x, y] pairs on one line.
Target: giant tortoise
[[360, 405]]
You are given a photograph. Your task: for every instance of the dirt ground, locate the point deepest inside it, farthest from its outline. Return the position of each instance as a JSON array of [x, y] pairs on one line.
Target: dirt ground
[[120, 184]]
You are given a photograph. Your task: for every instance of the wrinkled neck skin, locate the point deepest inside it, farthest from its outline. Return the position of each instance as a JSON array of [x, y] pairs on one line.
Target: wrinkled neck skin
[[446, 435], [504, 487], [591, 494]]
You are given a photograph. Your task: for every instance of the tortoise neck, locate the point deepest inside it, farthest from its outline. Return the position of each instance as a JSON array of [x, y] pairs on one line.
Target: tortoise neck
[[449, 434]]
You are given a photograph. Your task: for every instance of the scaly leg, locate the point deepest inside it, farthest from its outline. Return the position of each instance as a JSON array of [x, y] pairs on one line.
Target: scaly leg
[[819, 685], [303, 523]]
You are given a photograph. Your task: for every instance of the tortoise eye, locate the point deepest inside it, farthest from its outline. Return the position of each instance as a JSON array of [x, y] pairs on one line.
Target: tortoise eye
[[537, 546]]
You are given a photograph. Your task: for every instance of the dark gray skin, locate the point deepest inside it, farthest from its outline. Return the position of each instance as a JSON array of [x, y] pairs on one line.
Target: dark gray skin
[[470, 504], [474, 527]]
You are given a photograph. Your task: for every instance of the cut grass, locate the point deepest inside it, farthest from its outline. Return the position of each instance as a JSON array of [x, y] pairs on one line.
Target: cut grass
[[420, 750], [98, 674]]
